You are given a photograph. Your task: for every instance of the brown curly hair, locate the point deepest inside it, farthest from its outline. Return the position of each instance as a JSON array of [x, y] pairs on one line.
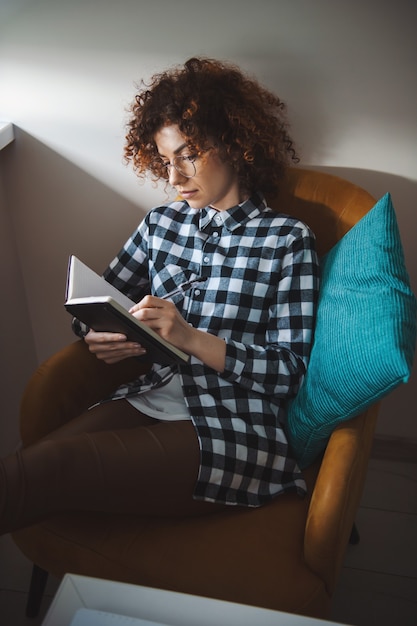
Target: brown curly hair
[[212, 100]]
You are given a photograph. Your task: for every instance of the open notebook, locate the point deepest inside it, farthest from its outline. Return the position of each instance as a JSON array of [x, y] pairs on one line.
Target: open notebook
[[92, 300]]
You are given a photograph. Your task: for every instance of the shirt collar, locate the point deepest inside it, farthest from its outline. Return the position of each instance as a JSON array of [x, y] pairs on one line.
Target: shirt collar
[[237, 215]]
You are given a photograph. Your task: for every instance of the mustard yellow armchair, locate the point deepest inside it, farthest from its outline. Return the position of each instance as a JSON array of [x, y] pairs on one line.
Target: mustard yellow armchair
[[286, 555]]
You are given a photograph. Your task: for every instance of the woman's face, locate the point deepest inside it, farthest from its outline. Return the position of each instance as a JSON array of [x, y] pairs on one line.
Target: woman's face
[[215, 182]]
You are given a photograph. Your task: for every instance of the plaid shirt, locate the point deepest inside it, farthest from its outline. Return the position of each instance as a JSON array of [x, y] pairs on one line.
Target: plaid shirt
[[260, 296]]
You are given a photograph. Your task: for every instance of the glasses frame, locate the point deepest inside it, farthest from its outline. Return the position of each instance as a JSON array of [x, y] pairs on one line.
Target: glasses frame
[[176, 163]]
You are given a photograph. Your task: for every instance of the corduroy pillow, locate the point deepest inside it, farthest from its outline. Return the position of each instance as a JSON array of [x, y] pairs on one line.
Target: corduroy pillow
[[365, 332]]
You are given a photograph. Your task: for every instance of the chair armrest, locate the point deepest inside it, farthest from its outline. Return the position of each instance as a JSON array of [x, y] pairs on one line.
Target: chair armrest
[[336, 495], [68, 383]]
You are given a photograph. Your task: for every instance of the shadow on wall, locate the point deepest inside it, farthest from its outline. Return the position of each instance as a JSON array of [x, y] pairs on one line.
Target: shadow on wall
[[57, 209], [17, 350]]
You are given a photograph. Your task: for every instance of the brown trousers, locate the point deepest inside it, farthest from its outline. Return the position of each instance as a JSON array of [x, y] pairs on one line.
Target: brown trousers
[[112, 459]]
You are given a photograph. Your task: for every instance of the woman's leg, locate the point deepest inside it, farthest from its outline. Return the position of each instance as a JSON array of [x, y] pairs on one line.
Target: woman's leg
[[114, 414], [150, 469]]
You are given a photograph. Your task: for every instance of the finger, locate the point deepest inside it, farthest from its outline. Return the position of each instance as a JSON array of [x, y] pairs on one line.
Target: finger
[[117, 348], [149, 302], [103, 338], [113, 355], [147, 315]]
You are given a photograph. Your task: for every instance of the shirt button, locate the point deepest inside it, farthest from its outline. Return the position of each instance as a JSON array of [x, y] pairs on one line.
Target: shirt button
[[206, 259], [197, 292], [216, 234]]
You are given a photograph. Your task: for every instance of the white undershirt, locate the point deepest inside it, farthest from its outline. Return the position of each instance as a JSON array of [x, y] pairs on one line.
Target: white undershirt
[[163, 403]]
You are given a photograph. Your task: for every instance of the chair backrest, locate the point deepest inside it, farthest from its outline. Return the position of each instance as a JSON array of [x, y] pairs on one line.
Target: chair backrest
[[328, 204]]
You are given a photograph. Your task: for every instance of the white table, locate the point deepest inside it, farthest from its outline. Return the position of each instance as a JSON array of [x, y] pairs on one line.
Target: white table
[[157, 605]]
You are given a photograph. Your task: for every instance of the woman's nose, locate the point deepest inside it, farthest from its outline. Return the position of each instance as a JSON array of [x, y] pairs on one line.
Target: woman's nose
[[174, 176]]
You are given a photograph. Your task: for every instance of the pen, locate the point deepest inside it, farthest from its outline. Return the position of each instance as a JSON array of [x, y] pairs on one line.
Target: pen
[[184, 287]]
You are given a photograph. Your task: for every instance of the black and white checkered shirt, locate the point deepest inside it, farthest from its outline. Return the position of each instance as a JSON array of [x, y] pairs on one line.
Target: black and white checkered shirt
[[260, 296]]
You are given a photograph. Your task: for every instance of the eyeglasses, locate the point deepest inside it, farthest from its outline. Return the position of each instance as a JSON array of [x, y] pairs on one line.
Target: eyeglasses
[[185, 165]]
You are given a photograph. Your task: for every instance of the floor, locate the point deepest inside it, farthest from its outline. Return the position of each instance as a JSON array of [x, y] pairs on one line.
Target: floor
[[378, 584]]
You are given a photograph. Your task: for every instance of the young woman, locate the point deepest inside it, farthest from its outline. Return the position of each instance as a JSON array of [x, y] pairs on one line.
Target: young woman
[[191, 438]]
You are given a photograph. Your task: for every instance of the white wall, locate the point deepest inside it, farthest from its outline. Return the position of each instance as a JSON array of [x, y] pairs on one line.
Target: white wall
[[347, 69]]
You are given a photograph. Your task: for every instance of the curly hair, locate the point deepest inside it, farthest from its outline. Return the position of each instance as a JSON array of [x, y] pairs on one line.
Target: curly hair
[[211, 101]]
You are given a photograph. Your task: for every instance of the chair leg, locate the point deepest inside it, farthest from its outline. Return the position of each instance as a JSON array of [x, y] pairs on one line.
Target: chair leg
[[354, 538], [37, 587]]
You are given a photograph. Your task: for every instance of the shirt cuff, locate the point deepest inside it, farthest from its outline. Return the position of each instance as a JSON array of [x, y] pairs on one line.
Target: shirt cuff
[[236, 357], [79, 328]]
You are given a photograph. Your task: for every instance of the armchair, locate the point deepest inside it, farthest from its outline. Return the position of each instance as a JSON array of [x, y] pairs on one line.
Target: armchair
[[286, 555]]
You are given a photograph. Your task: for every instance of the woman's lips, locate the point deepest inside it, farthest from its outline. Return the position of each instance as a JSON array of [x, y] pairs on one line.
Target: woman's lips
[[188, 194]]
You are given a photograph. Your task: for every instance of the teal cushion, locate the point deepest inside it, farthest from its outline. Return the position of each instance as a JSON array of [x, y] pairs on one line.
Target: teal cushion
[[365, 332]]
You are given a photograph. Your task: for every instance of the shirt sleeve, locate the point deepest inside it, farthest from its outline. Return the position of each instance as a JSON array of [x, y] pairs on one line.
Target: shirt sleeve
[[128, 271], [277, 368]]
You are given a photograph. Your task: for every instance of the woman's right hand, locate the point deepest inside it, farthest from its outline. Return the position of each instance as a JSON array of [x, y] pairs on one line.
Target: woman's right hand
[[112, 347]]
